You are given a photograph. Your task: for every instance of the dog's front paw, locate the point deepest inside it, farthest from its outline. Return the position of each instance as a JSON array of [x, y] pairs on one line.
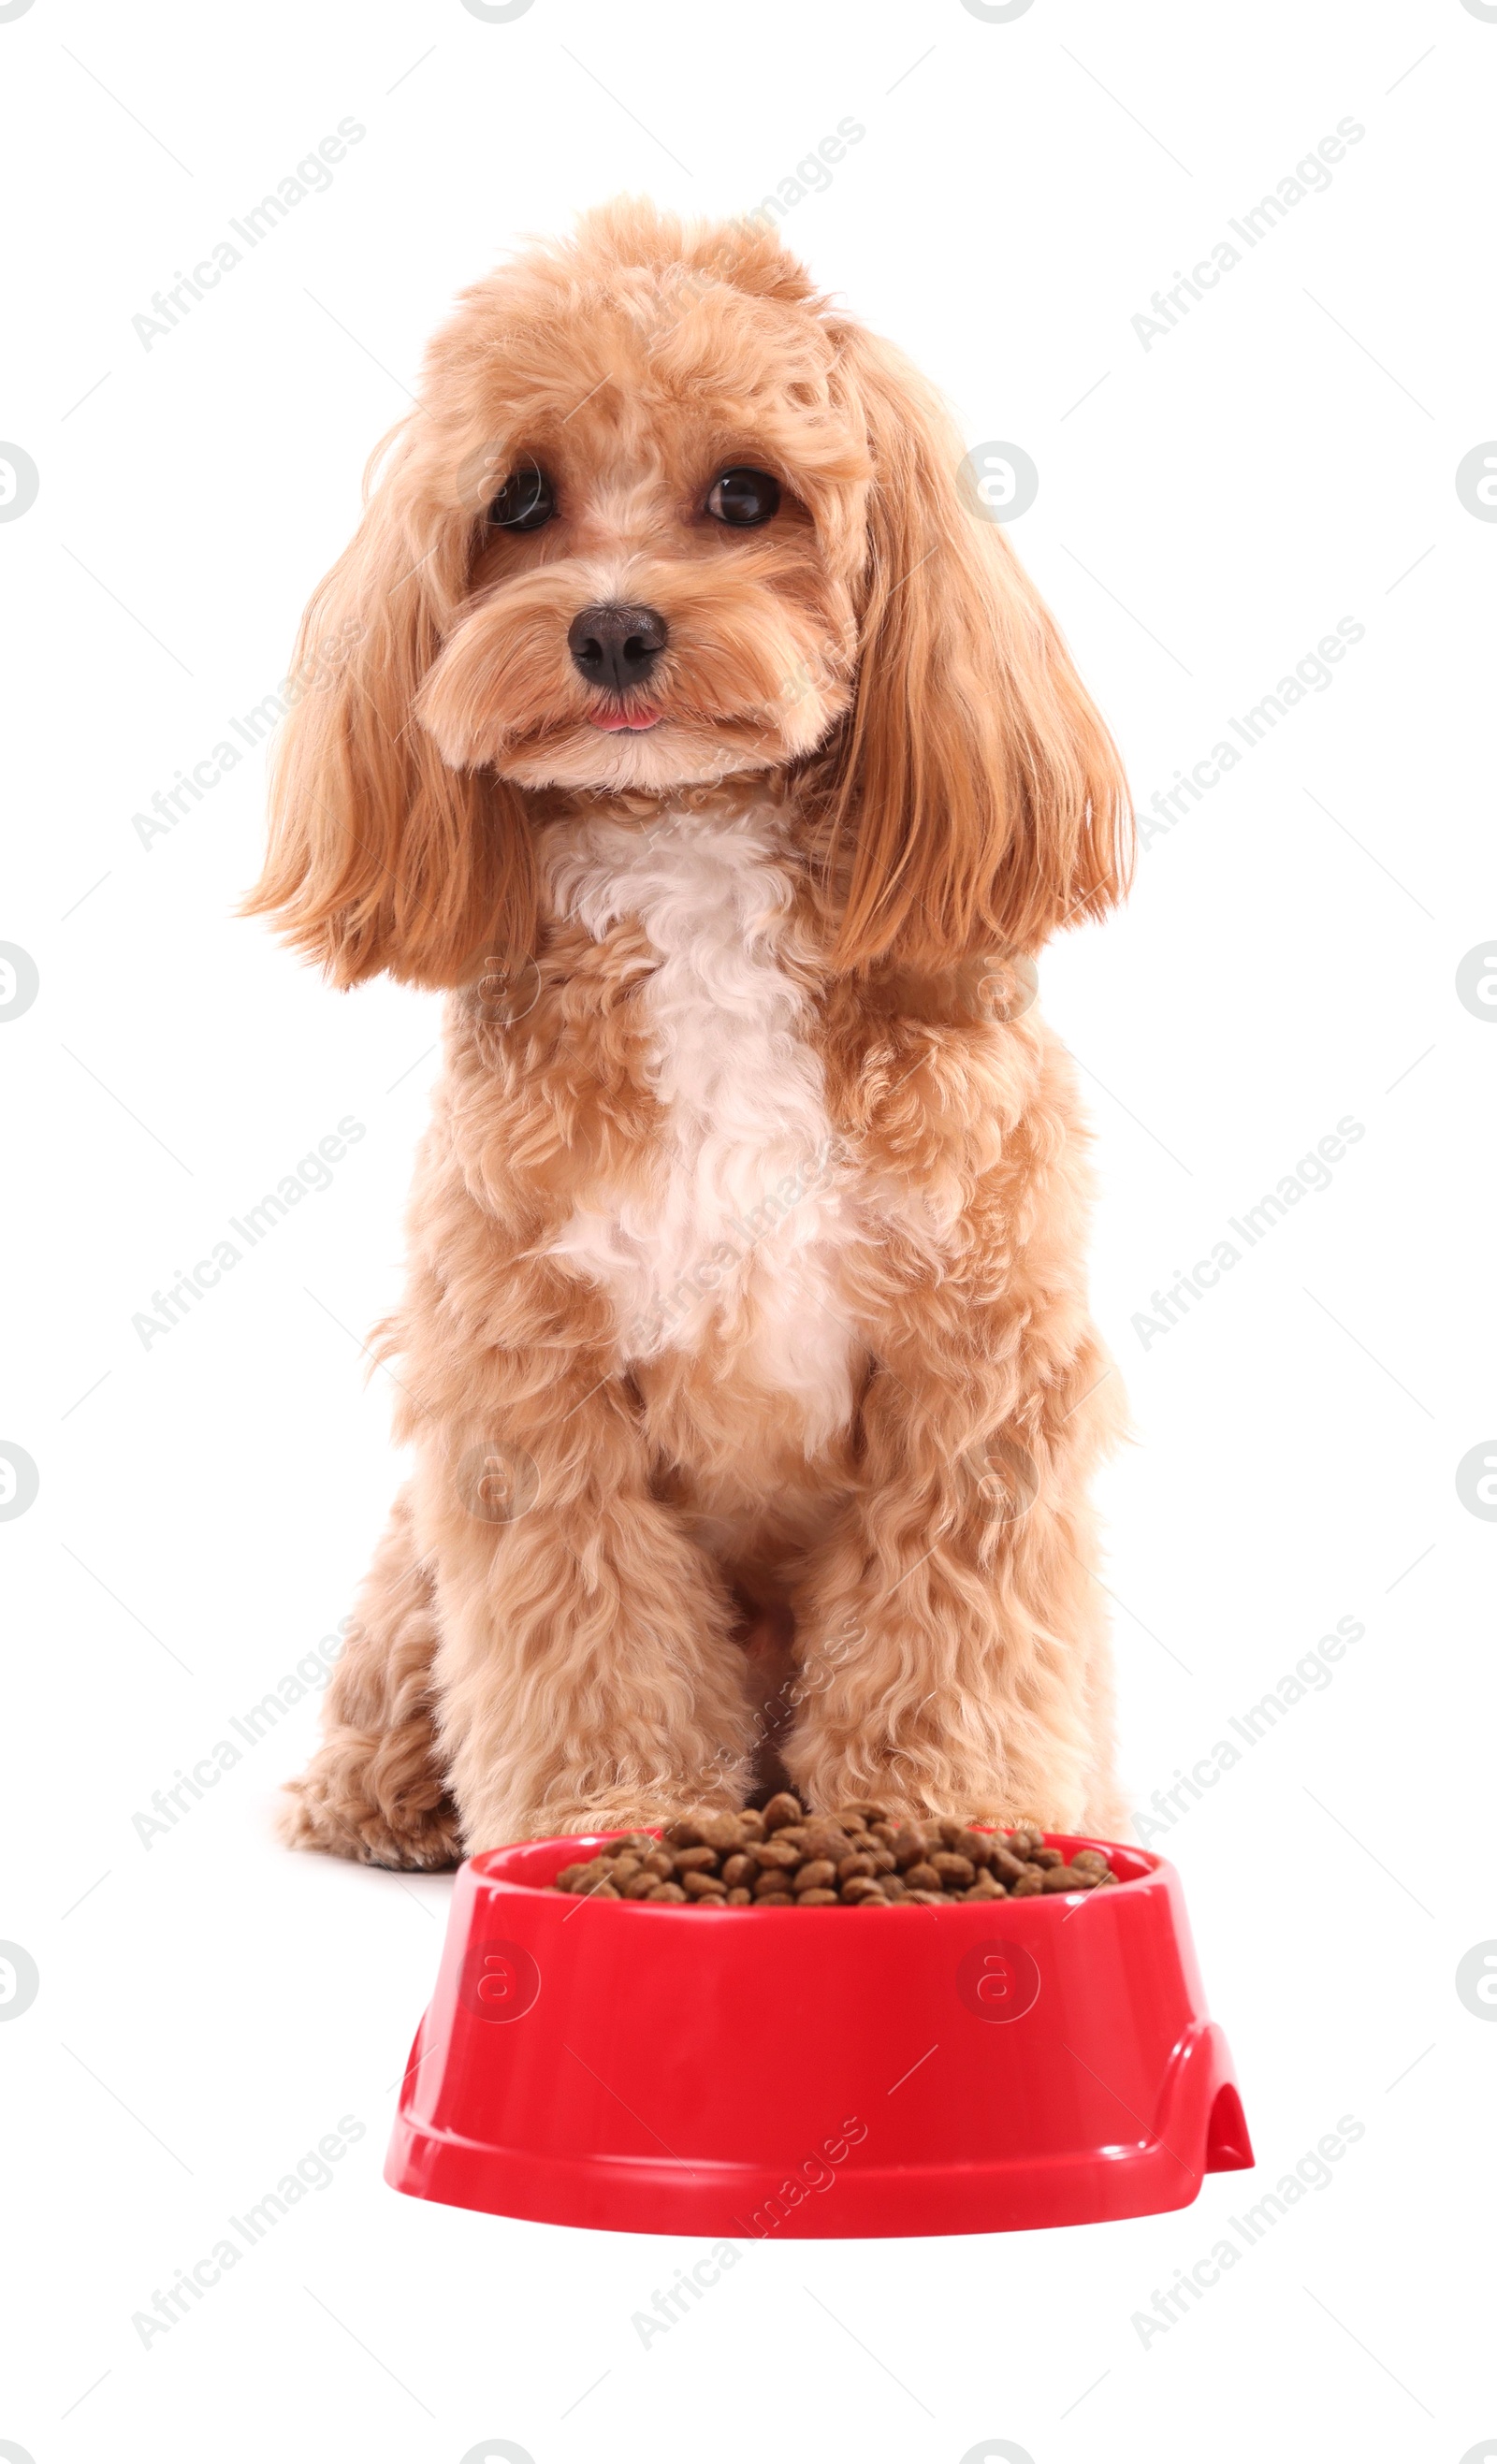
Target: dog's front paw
[[558, 1819], [410, 1839]]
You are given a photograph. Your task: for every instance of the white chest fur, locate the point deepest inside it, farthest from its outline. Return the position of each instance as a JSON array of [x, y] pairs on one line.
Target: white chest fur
[[738, 1239]]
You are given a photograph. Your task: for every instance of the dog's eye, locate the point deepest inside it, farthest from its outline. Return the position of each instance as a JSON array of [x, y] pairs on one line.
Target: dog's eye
[[743, 498], [526, 500]]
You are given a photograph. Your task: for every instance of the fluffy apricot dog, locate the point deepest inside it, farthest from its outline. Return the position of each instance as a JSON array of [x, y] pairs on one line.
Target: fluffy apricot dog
[[675, 712]]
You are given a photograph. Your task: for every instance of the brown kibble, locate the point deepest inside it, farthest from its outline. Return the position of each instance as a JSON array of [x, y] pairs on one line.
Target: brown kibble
[[781, 1809], [683, 1833], [855, 1856], [1065, 1878], [597, 1877], [721, 1831]]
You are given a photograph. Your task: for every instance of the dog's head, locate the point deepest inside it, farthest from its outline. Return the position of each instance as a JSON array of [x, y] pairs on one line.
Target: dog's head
[[662, 517]]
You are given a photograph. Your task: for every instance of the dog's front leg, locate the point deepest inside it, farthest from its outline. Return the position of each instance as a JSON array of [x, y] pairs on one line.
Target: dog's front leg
[[954, 1653], [587, 1676]]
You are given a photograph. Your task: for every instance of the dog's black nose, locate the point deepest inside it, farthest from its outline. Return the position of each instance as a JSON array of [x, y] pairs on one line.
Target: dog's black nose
[[616, 647]]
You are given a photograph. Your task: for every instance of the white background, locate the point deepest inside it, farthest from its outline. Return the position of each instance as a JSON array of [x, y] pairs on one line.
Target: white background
[[1208, 510]]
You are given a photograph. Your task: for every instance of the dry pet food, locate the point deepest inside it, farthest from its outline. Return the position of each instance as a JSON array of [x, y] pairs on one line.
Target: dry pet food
[[860, 1857]]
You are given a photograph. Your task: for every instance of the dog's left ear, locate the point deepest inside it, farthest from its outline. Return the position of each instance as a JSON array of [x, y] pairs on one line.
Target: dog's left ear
[[974, 795]]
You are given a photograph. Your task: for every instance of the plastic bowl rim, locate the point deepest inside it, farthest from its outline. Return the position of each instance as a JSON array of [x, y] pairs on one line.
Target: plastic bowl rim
[[1159, 1869]]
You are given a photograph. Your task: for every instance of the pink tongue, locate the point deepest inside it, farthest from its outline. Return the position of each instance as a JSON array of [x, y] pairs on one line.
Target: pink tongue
[[622, 720]]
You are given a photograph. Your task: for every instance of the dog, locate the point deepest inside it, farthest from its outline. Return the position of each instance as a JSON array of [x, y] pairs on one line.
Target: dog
[[678, 712]]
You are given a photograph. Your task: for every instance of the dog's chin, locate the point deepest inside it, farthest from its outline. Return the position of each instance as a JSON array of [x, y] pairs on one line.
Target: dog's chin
[[652, 760]]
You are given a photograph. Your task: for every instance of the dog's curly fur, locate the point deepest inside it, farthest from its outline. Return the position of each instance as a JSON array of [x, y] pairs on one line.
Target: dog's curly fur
[[745, 1351]]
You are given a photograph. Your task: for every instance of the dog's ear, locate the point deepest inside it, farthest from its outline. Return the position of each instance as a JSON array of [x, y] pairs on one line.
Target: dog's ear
[[381, 858], [974, 795]]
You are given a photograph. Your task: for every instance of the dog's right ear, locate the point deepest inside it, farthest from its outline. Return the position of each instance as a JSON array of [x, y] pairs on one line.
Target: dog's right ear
[[381, 858]]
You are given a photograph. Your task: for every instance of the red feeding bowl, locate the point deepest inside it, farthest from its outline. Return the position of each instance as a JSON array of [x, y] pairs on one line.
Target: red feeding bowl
[[985, 2067]]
